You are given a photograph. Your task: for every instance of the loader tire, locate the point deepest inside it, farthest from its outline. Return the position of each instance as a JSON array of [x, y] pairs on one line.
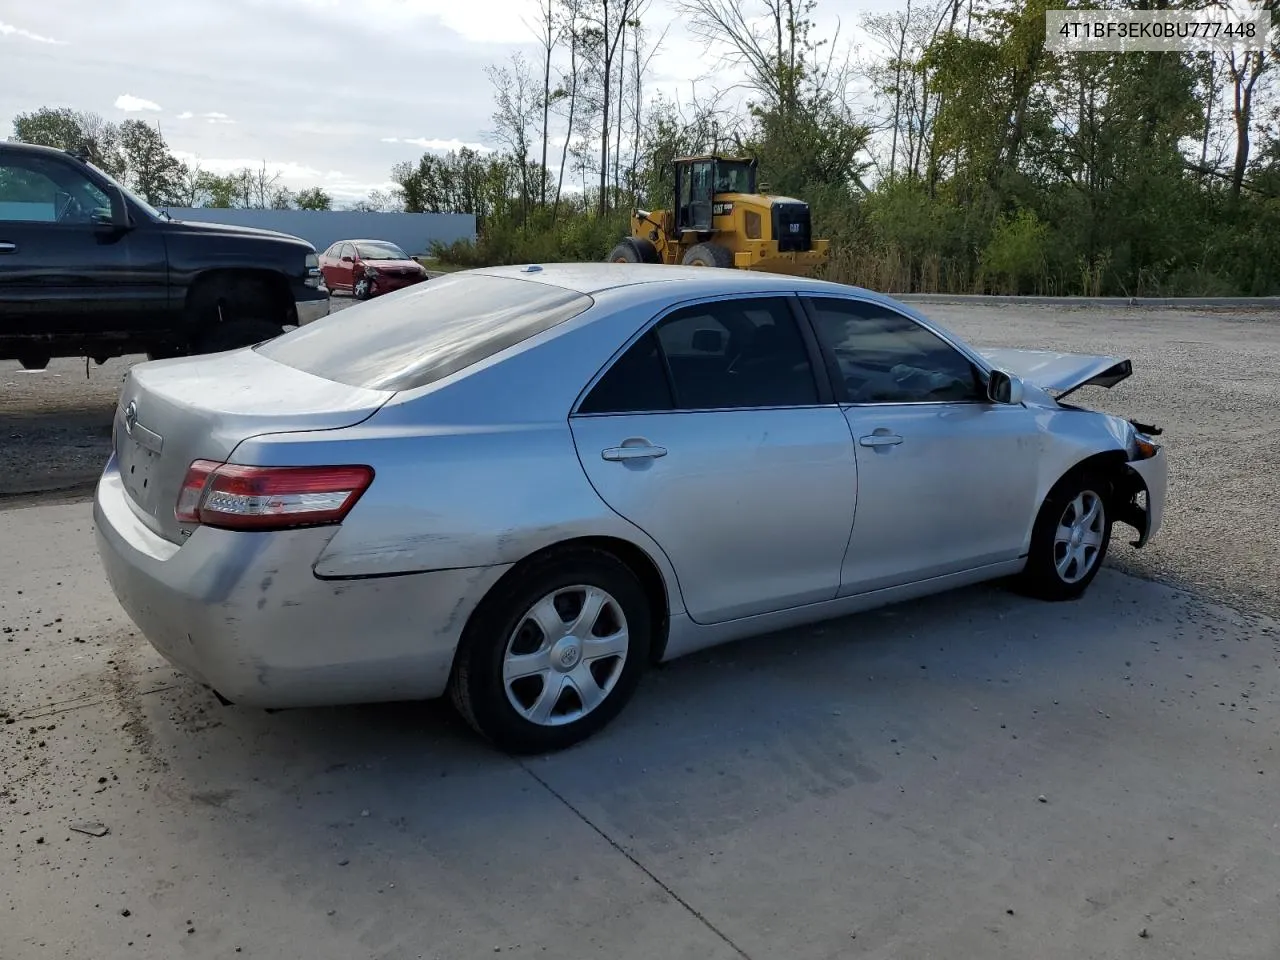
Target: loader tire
[[707, 255], [634, 250]]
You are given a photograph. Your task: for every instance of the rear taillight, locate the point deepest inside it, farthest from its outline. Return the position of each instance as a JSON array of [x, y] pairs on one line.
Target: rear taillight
[[237, 497]]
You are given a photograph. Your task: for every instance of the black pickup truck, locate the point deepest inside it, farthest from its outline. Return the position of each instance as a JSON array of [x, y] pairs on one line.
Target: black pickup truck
[[89, 269]]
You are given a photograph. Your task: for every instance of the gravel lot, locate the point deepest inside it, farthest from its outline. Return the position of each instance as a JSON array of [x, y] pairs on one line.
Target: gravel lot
[[1210, 378]]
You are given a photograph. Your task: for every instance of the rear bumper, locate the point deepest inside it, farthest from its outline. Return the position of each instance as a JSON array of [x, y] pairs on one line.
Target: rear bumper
[[312, 309], [244, 613]]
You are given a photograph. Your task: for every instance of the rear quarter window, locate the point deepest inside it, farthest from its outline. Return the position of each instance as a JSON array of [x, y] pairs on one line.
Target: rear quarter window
[[424, 334]]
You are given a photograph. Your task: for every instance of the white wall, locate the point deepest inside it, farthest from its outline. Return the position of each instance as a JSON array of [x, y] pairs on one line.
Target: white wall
[[411, 231]]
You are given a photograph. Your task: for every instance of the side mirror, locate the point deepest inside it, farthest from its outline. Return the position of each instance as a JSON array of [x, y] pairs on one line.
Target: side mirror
[[117, 219], [1004, 388]]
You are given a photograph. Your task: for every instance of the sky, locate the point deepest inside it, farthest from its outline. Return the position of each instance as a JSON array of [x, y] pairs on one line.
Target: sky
[[328, 93]]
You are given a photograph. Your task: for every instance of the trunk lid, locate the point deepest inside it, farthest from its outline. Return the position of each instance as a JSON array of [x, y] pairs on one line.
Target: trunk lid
[[1061, 373], [172, 412]]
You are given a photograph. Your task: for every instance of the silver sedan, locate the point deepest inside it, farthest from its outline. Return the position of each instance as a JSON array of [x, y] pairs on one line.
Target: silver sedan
[[524, 486]]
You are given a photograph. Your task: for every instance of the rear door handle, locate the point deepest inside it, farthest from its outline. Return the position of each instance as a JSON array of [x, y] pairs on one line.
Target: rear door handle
[[639, 451], [880, 440], [6, 247]]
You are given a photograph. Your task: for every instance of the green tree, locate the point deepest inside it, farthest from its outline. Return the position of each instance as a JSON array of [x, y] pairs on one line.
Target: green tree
[[314, 198], [76, 131], [147, 165]]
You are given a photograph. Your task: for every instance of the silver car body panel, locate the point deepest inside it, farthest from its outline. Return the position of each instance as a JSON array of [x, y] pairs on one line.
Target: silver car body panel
[[172, 412], [753, 507], [776, 518], [240, 612]]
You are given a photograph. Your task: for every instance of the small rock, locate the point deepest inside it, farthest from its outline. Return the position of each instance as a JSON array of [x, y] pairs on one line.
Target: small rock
[[1042, 798], [91, 828], [1144, 933], [126, 912], [364, 813], [1009, 911], [343, 862]]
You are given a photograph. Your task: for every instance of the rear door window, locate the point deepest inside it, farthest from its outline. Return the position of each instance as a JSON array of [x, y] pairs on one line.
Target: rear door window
[[424, 335], [728, 354]]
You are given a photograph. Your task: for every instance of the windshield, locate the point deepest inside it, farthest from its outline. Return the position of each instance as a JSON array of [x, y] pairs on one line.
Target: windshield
[[127, 192], [381, 250], [733, 177], [426, 333]]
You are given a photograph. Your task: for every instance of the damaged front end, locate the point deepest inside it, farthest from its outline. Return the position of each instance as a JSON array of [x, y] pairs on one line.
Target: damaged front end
[[1140, 490]]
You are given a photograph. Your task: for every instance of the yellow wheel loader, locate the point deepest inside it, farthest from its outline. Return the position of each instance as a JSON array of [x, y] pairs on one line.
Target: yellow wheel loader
[[720, 220]]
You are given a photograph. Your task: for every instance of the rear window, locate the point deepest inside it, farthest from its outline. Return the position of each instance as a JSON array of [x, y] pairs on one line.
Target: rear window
[[426, 333]]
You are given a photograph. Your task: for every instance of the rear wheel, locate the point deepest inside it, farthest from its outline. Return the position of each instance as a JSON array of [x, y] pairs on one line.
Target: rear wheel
[[230, 312], [1069, 540], [553, 654], [707, 255]]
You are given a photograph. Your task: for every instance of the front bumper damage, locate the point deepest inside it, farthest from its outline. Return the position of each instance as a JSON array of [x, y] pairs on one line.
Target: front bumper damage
[[1141, 495]]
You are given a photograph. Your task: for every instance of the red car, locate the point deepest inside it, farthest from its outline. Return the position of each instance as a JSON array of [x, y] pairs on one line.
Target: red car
[[366, 268]]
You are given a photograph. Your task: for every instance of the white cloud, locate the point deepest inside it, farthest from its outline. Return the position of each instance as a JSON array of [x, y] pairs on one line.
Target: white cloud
[[442, 146], [9, 30], [131, 104], [214, 116], [185, 115]]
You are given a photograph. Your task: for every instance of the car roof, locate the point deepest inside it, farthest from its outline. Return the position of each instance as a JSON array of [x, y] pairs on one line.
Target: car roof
[[18, 145], [594, 278]]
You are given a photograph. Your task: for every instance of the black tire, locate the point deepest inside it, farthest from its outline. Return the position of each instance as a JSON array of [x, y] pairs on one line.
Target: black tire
[[234, 334], [477, 687], [707, 255], [361, 288], [634, 250], [1042, 577]]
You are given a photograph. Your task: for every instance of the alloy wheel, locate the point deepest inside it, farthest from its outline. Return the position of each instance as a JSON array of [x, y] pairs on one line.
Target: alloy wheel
[[1078, 538]]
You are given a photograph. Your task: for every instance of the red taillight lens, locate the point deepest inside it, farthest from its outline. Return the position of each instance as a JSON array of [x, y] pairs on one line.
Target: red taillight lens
[[188, 508], [237, 497]]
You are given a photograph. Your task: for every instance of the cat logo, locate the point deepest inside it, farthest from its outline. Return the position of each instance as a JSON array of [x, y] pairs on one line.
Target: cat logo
[[721, 209]]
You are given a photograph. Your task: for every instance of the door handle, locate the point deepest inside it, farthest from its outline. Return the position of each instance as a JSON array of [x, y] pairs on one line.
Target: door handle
[[639, 451], [880, 440], [7, 247]]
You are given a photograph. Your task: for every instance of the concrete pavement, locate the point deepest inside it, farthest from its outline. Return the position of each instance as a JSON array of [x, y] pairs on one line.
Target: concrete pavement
[[867, 788]]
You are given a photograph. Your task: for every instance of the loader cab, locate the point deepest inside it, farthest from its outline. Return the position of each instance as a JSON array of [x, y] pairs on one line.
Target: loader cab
[[699, 179]]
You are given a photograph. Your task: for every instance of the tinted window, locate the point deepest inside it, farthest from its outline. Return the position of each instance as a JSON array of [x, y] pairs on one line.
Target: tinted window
[[35, 189], [426, 334], [347, 250], [737, 353], [637, 382], [885, 357]]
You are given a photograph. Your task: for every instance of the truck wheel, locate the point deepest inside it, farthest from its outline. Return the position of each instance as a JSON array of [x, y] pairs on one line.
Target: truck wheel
[[634, 250], [234, 334], [707, 255]]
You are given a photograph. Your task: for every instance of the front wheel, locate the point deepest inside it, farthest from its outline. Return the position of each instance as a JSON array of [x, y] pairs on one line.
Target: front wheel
[[363, 289], [1069, 540], [550, 657]]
